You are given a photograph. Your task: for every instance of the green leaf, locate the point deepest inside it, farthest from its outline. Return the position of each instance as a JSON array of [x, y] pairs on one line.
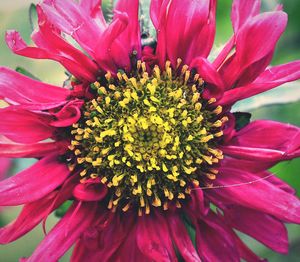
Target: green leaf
[[23, 71], [241, 119], [33, 16], [62, 210]]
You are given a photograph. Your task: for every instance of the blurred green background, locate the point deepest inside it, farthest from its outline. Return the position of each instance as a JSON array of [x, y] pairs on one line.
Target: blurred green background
[[281, 105]]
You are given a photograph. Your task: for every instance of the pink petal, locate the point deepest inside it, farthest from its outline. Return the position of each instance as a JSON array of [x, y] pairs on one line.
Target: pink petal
[[242, 10], [199, 47], [33, 183], [30, 216], [153, 238], [261, 195], [93, 8], [255, 44], [68, 115], [69, 229], [108, 52], [18, 46], [33, 213], [24, 90], [129, 250], [113, 230], [270, 135], [155, 11], [214, 240], [253, 153], [246, 253], [16, 150], [189, 18], [266, 229], [182, 239], [23, 126], [215, 85], [131, 36], [5, 164], [75, 21], [272, 77], [90, 191]]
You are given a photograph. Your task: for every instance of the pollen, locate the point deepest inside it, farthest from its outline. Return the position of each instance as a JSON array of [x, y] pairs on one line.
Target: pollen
[[149, 136]]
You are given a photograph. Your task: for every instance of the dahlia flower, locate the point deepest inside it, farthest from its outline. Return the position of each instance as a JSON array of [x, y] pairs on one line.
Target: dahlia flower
[[141, 144]]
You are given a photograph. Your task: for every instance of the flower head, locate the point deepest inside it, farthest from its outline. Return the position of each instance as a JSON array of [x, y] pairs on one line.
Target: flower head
[[140, 145]]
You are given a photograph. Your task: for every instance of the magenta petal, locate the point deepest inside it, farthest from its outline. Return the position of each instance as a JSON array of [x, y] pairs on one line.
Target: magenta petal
[[153, 238], [262, 196], [23, 126], [210, 75], [246, 253], [269, 135], [182, 239], [131, 36], [253, 153], [90, 192], [5, 164], [68, 115], [272, 77], [94, 9], [242, 10], [16, 150], [106, 52], [31, 215], [18, 46], [33, 183], [74, 20], [78, 218], [24, 90], [266, 229], [214, 240], [255, 44], [189, 18], [155, 11]]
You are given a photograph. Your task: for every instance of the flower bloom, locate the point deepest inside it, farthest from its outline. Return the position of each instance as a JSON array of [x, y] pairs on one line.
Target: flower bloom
[[142, 140]]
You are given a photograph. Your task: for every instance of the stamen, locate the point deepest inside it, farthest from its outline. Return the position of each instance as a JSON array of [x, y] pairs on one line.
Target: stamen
[[150, 136]]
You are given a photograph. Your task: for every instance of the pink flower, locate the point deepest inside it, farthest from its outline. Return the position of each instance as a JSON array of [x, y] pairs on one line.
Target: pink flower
[[142, 140]]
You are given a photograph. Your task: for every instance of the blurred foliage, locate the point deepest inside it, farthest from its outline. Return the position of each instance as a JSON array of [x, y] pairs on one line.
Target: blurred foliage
[[14, 15]]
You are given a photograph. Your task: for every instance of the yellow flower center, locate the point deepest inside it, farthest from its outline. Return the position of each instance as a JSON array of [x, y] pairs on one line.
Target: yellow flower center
[[149, 138]]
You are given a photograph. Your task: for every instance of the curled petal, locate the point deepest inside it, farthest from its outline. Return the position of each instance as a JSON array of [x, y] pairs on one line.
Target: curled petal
[[68, 115], [90, 191]]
